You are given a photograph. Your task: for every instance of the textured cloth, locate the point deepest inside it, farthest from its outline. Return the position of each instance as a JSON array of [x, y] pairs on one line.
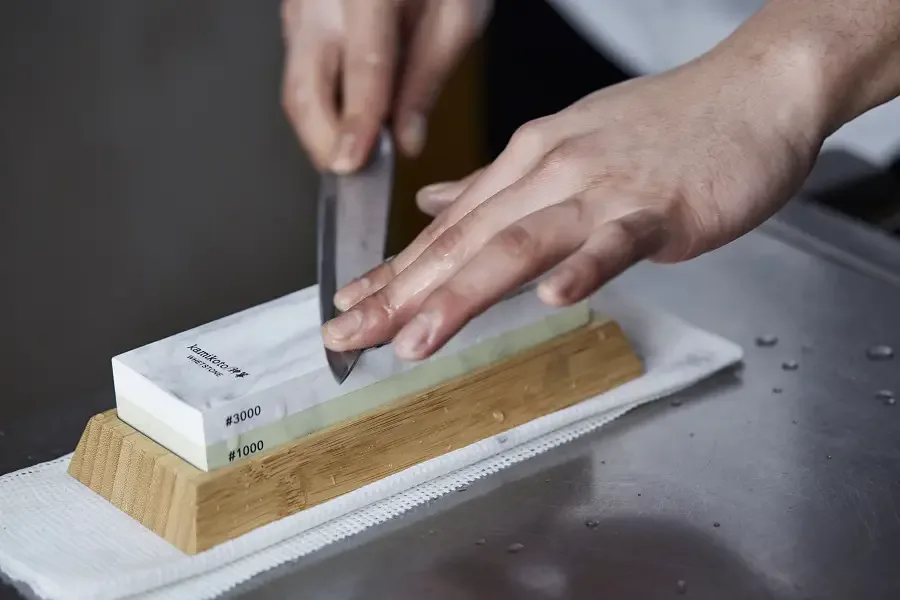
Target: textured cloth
[[65, 542]]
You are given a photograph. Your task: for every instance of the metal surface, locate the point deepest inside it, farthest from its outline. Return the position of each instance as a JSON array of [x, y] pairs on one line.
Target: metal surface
[[353, 215], [804, 484], [733, 488]]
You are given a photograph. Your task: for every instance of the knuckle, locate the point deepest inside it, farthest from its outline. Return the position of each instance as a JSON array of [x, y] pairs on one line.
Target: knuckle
[[378, 309], [517, 243], [434, 229], [290, 102], [565, 164], [367, 64], [531, 138], [448, 300], [448, 243], [580, 209]]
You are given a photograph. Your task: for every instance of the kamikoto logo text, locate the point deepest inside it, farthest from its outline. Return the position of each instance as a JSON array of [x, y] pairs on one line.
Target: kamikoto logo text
[[213, 364]]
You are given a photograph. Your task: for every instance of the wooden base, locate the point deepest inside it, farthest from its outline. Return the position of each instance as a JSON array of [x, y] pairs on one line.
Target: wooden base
[[195, 510]]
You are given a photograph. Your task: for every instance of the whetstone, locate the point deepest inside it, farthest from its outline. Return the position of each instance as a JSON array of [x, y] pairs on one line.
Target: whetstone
[[196, 510], [257, 379]]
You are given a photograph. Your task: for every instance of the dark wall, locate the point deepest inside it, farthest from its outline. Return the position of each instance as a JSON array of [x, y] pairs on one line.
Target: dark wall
[[536, 65], [149, 182]]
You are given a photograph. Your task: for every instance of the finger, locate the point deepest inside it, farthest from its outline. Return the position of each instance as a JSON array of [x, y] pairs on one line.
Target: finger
[[435, 198], [608, 252], [368, 67], [308, 95], [513, 257], [445, 29], [526, 149], [386, 310], [369, 283]]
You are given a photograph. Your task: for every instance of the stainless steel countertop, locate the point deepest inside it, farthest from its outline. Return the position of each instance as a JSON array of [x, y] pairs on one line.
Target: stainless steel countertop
[[804, 484], [732, 489]]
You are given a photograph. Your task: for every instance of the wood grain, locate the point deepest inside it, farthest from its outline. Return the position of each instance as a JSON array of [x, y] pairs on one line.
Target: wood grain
[[195, 510]]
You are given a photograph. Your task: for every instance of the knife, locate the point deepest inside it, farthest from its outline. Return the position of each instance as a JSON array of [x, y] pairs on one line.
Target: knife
[[353, 215]]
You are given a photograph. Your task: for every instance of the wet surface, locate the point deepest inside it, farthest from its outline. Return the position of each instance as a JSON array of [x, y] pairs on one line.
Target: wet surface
[[739, 492]]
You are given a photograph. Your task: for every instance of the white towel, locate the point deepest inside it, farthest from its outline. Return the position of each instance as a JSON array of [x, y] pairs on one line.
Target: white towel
[[65, 542]]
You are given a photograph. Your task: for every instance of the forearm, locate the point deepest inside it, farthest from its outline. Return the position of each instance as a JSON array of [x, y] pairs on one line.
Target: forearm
[[837, 58]]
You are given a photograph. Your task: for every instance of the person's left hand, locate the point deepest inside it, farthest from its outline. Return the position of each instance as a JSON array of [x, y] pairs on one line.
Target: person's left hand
[[664, 167]]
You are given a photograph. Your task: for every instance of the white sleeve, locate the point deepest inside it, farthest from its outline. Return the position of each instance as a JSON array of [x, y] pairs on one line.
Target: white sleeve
[[650, 36]]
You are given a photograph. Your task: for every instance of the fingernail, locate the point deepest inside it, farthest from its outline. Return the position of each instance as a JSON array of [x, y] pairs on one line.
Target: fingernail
[[413, 132], [347, 296], [416, 336], [436, 191], [554, 291], [343, 155], [344, 326]]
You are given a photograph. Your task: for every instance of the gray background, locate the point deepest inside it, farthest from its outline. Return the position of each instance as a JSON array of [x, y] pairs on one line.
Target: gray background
[[149, 182]]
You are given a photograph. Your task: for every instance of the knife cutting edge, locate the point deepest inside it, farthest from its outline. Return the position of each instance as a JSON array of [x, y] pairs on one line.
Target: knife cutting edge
[[353, 214]]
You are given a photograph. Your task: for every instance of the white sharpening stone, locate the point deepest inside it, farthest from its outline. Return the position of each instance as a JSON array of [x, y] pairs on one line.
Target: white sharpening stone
[[257, 379]]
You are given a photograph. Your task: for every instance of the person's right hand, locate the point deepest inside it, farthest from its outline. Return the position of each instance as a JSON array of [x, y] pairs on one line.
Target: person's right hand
[[384, 58]]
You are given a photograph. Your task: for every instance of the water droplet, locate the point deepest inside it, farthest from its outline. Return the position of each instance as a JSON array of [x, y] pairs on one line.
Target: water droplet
[[806, 348], [591, 524], [777, 390], [716, 524], [790, 365], [890, 401], [502, 439], [880, 352], [766, 341], [884, 394], [462, 488], [639, 493], [794, 421], [547, 480], [681, 586], [498, 416], [676, 402], [828, 457], [515, 548], [602, 462], [691, 434], [480, 542]]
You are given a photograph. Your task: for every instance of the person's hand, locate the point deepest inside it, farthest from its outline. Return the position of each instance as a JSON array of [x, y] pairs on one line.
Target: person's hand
[[661, 168], [381, 58]]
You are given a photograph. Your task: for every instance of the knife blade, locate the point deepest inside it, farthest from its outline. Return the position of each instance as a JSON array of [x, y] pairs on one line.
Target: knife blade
[[353, 215]]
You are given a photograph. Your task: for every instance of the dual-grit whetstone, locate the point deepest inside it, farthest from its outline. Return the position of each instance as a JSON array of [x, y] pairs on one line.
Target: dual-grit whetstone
[[256, 380], [254, 390]]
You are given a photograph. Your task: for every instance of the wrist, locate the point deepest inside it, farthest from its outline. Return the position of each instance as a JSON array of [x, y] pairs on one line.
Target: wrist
[[789, 87], [826, 65]]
